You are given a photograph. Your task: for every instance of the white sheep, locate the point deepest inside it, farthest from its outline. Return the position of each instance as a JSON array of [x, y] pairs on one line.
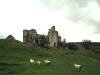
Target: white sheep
[[47, 62], [77, 66], [38, 62], [32, 61]]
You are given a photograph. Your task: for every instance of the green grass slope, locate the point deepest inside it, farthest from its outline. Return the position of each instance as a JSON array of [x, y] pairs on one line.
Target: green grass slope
[[14, 57]]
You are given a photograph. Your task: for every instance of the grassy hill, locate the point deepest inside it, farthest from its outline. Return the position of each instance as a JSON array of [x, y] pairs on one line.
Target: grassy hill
[[14, 57]]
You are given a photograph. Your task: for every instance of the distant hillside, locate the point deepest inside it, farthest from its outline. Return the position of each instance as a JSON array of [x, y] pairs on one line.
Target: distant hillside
[[95, 44]]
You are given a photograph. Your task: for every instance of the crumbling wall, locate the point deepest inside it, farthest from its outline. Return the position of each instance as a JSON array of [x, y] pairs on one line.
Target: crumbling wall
[[31, 37]]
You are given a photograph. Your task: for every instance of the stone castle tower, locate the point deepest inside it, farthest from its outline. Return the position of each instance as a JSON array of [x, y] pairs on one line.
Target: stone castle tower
[[54, 39], [31, 37]]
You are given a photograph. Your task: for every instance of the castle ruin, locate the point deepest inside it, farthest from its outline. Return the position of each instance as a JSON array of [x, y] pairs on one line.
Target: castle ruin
[[31, 37], [54, 39]]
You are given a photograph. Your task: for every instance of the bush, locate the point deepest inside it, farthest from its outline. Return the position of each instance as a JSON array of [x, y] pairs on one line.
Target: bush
[[43, 41], [72, 46], [62, 44]]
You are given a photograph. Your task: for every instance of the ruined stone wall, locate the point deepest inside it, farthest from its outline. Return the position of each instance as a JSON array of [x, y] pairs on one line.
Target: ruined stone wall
[[31, 37], [25, 36]]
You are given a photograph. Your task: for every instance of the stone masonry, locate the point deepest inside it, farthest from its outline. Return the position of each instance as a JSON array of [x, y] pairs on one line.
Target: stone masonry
[[31, 37], [54, 39]]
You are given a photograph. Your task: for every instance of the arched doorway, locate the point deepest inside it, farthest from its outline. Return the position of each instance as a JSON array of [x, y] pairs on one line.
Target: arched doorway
[[54, 44], [37, 41]]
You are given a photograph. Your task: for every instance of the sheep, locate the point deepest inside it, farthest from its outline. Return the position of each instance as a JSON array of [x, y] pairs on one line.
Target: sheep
[[32, 61], [79, 67], [47, 62], [38, 62]]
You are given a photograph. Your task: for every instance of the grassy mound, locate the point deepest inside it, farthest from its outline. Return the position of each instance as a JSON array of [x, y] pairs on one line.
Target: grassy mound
[[14, 58]]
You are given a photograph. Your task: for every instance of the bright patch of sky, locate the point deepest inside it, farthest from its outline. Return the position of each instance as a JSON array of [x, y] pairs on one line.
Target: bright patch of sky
[[75, 20]]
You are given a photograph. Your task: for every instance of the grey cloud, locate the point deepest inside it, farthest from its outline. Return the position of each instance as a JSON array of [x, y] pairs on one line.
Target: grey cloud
[[53, 5], [96, 25], [74, 10], [98, 1], [58, 4]]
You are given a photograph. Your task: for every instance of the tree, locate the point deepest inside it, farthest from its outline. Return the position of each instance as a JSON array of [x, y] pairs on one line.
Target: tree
[[72, 46], [10, 37], [87, 44], [43, 41]]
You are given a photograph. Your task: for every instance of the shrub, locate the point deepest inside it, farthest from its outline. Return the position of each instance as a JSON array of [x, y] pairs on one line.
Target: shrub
[[72, 46], [87, 44], [43, 41]]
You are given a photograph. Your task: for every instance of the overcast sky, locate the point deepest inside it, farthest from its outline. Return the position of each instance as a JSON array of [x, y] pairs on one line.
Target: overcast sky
[[75, 20]]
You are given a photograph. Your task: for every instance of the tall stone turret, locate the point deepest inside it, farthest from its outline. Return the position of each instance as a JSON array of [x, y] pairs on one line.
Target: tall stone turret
[[53, 37]]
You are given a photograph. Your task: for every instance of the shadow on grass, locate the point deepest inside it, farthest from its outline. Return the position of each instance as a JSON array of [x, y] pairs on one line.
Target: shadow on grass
[[6, 64], [2, 69]]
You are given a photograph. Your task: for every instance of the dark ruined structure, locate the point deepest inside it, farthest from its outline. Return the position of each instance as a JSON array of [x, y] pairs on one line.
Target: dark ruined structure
[[31, 37]]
